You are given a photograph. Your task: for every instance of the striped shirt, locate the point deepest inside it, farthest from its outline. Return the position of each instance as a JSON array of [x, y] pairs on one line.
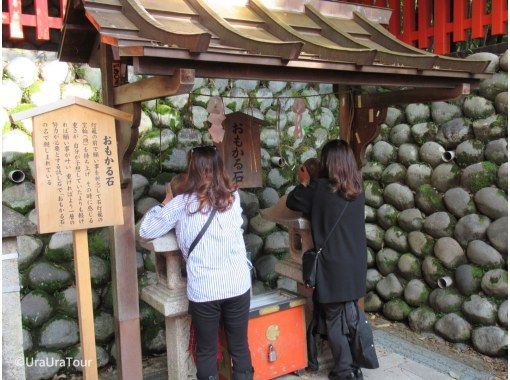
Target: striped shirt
[[218, 267]]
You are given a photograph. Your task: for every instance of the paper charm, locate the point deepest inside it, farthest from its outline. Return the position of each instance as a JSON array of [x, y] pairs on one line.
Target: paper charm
[[298, 108], [216, 116]]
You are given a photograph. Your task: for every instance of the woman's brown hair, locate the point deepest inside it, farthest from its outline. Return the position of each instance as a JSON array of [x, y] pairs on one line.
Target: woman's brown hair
[[207, 178], [339, 166]]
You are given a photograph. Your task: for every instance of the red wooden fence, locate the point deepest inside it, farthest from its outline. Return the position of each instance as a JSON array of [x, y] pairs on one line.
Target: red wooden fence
[[434, 24], [427, 24], [17, 19]]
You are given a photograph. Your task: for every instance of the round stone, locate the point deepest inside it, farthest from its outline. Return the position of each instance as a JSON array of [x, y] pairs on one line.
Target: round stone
[[408, 154], [493, 59], [389, 287], [453, 328], [443, 112], [458, 201], [253, 245], [396, 238], [428, 199], [372, 170], [469, 152], [22, 70], [28, 342], [20, 197], [445, 176], [490, 128], [265, 267], [416, 293], [424, 132], [59, 333], [417, 113], [422, 319], [420, 244], [44, 371], [99, 271], [478, 176], [471, 227], [67, 301], [394, 116], [36, 308], [409, 266], [432, 270], [396, 310], [410, 220], [491, 87], [269, 197], [479, 310], [29, 248], [372, 302], [400, 134], [477, 107], [261, 226], [497, 233], [501, 103], [249, 203], [140, 185], [495, 283], [503, 313], [375, 236], [445, 300], [432, 153], [449, 252], [104, 327], [490, 340], [417, 175], [145, 204], [503, 176], [387, 260], [439, 224], [455, 131], [481, 253], [102, 358], [48, 277], [399, 196], [373, 277], [387, 216], [277, 243], [492, 202], [503, 61], [275, 179], [370, 214], [370, 258], [373, 193], [497, 151], [394, 172], [384, 152], [468, 279]]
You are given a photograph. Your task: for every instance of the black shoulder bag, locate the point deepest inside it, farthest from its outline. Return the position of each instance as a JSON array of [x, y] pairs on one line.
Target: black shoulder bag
[[311, 257], [197, 239]]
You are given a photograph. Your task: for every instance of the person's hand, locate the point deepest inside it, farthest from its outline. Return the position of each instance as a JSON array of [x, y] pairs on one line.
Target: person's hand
[[303, 176], [169, 194]]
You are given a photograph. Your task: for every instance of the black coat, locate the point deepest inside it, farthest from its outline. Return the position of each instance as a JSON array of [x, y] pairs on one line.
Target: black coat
[[342, 271]]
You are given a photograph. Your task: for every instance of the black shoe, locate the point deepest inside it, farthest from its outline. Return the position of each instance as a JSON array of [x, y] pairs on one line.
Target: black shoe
[[345, 376], [357, 372]]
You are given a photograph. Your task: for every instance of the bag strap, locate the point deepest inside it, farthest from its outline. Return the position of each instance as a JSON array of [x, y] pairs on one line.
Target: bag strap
[[202, 232], [333, 228]]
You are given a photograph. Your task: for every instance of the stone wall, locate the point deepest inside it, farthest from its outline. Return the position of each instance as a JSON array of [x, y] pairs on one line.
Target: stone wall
[[430, 221], [405, 180]]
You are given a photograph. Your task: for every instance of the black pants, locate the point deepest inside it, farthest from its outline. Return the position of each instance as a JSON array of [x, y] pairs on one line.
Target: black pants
[[206, 317], [341, 319]]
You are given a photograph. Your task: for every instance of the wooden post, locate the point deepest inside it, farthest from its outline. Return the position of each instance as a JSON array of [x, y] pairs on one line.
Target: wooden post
[[85, 307]]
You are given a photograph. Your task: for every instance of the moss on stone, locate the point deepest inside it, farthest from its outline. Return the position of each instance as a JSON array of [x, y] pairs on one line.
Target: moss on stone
[[431, 194], [479, 180], [99, 244], [477, 272], [145, 163]]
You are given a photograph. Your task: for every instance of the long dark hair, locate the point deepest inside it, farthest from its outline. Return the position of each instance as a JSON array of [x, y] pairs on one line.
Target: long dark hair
[[206, 176], [339, 166]]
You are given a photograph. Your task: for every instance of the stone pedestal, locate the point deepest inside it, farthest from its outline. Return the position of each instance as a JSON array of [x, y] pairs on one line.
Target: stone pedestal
[[168, 296]]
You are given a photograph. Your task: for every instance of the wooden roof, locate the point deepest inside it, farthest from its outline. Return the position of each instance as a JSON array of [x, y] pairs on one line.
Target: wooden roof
[[303, 40]]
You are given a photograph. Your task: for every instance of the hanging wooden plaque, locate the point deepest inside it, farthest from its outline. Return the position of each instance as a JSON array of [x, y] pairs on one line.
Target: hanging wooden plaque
[[240, 149]]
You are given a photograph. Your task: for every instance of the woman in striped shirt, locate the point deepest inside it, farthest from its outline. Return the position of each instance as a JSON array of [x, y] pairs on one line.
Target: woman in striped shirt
[[218, 270]]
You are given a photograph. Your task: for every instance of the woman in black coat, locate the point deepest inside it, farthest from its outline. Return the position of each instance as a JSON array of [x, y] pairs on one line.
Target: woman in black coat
[[341, 274]]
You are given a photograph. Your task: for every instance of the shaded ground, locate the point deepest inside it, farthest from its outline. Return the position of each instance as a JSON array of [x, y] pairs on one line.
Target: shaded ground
[[403, 355]]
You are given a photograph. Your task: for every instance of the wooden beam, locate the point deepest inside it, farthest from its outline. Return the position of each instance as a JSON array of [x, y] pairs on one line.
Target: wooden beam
[[156, 87], [417, 95], [122, 243], [366, 125]]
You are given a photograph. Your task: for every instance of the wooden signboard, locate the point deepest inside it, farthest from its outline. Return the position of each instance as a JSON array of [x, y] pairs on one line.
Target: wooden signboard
[[77, 172], [240, 149], [77, 187]]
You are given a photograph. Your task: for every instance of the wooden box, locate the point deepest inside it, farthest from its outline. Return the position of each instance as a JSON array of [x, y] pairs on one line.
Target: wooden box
[[277, 324]]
